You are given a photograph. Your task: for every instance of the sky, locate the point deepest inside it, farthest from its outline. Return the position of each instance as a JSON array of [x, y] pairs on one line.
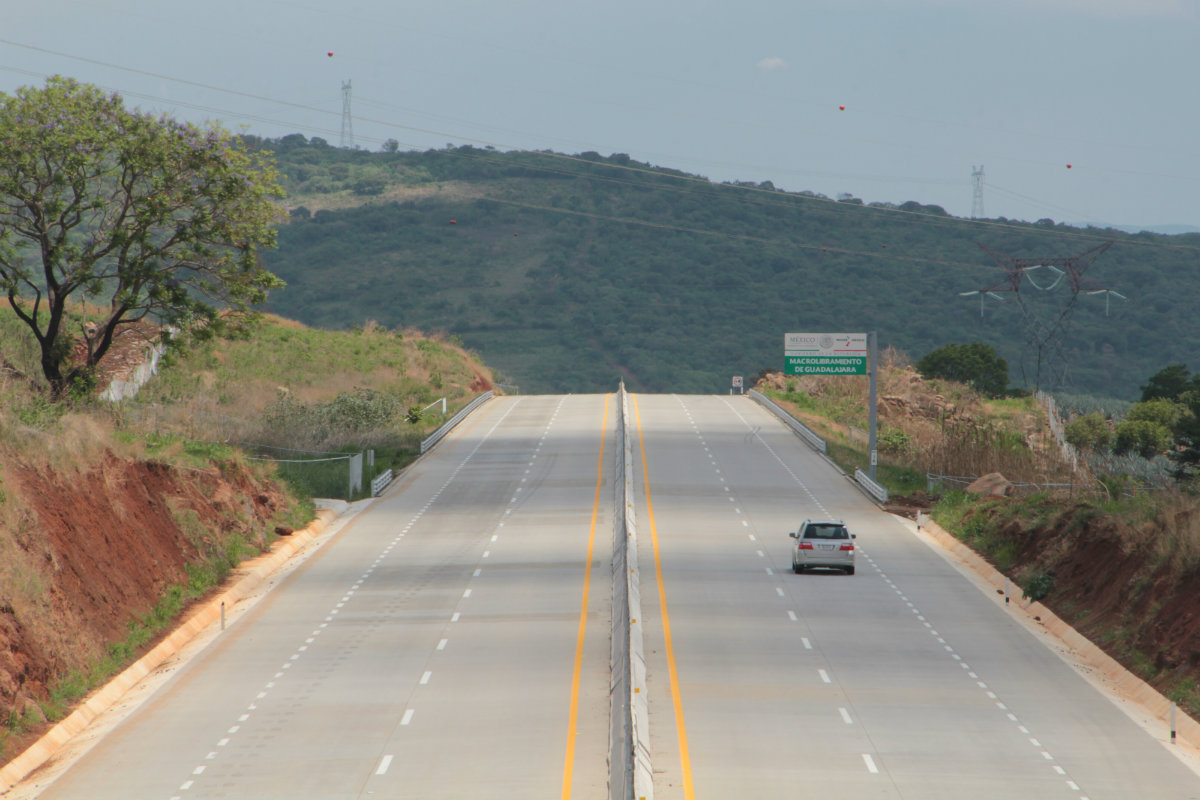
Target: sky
[[887, 100]]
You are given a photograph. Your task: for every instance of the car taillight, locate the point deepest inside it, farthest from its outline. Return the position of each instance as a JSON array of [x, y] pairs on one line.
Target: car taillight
[[846, 547], [805, 546]]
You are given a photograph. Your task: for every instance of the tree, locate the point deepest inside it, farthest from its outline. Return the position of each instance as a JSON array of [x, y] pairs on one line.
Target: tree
[[976, 364], [1160, 411], [148, 216], [1169, 383]]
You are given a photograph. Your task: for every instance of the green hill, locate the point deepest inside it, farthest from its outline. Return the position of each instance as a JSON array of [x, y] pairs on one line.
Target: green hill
[[567, 273]]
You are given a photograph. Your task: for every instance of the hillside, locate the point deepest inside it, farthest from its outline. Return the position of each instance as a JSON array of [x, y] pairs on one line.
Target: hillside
[[567, 273], [113, 519]]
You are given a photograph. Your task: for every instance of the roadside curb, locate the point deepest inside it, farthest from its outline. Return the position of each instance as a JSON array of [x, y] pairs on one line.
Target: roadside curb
[[251, 573], [1099, 667]]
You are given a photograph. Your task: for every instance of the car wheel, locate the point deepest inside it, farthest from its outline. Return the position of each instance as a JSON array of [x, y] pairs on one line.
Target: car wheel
[[849, 570], [796, 568]]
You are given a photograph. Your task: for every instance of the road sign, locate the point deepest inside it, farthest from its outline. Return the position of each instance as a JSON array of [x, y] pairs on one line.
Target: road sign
[[825, 344], [825, 365], [825, 353], [737, 381]]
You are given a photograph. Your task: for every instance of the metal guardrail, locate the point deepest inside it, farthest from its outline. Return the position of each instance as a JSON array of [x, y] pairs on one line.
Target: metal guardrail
[[803, 431], [381, 482], [876, 490], [449, 424]]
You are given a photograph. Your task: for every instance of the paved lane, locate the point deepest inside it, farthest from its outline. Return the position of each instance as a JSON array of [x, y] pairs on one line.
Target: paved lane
[[439, 646], [903, 681]]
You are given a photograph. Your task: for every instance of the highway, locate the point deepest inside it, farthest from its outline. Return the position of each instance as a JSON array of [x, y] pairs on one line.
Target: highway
[[902, 681], [438, 647], [452, 641]]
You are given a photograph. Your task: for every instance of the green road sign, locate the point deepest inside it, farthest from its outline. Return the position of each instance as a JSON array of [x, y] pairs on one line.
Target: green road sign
[[825, 365]]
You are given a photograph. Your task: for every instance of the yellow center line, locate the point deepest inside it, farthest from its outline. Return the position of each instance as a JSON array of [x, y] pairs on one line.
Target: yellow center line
[[573, 712], [685, 761]]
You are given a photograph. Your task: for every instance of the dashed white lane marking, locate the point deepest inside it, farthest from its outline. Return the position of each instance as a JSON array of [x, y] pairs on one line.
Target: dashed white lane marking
[[845, 716], [456, 616], [384, 763], [792, 616], [442, 644], [407, 718], [824, 676], [779, 591], [870, 763], [807, 644], [1046, 755], [426, 676]]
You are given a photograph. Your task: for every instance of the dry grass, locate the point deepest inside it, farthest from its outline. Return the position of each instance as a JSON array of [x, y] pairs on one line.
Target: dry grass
[[946, 427]]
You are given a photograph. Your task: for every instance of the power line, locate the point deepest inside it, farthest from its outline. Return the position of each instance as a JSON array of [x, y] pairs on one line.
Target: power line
[[915, 216]]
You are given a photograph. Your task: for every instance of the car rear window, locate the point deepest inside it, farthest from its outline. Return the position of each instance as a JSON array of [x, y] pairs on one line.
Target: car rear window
[[825, 532]]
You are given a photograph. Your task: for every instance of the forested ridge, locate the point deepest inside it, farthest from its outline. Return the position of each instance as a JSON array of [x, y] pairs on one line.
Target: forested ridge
[[569, 272]]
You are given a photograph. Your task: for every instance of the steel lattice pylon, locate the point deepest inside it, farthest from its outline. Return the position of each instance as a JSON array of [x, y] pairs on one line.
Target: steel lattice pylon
[[1044, 332]]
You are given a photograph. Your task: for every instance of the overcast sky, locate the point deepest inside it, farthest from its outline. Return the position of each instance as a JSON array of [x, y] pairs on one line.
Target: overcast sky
[[746, 90]]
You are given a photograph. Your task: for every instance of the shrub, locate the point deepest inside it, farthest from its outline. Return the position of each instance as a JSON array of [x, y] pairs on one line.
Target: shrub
[[1143, 437], [1089, 432]]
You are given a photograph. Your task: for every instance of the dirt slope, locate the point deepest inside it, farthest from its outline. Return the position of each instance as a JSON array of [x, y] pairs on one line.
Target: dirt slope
[[84, 555]]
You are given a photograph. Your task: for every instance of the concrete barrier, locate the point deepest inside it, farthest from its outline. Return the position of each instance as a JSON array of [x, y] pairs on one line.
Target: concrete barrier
[[630, 772], [251, 574]]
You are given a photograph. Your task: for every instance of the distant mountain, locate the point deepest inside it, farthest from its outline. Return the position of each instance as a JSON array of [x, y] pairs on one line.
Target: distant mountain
[[569, 272], [1169, 230]]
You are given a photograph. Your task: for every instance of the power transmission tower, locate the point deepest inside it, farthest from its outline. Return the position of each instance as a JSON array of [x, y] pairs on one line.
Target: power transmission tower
[[977, 194], [347, 120], [1045, 324]]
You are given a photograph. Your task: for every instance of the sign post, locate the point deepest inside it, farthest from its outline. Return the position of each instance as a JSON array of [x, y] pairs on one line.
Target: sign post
[[871, 444], [837, 354]]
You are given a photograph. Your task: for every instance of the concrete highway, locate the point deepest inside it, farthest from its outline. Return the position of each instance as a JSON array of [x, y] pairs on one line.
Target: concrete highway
[[452, 641], [902, 681]]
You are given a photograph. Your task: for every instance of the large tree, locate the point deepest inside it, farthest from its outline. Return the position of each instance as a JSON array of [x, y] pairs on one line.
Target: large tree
[[139, 216], [976, 364]]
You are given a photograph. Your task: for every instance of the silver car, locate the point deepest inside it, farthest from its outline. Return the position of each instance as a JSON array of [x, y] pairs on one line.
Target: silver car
[[823, 543]]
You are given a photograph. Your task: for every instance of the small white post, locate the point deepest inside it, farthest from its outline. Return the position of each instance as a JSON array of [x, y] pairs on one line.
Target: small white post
[[222, 615], [1006, 582], [1172, 722]]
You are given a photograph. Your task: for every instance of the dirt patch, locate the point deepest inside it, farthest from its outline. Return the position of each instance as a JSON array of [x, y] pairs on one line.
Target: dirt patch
[[911, 505], [90, 553]]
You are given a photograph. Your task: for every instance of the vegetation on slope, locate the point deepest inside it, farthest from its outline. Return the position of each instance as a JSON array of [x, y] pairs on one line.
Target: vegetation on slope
[[570, 272], [78, 603]]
